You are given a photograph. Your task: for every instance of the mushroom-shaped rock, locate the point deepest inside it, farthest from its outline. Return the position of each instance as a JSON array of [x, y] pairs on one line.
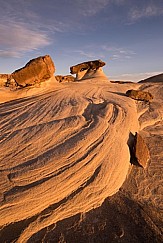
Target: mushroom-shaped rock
[[140, 151], [139, 95], [82, 68], [95, 74], [35, 71]]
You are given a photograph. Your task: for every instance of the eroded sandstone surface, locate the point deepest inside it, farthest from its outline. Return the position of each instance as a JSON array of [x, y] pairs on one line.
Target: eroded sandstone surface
[[65, 172]]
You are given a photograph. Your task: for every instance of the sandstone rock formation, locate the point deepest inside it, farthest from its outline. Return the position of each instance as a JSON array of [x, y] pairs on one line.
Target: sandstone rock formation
[[86, 65], [11, 83], [35, 71], [3, 79], [84, 68], [63, 79], [63, 156], [139, 95], [140, 151], [6, 80]]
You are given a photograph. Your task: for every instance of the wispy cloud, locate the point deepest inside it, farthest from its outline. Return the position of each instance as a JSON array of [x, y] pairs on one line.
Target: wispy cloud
[[119, 2], [146, 11], [84, 53], [23, 30], [17, 38], [118, 53], [95, 51], [91, 7], [91, 51]]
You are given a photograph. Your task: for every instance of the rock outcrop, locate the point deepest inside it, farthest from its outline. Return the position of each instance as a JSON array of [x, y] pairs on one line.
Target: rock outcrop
[[140, 151], [139, 95], [84, 68], [3, 79], [64, 79], [35, 71], [6, 80], [94, 65]]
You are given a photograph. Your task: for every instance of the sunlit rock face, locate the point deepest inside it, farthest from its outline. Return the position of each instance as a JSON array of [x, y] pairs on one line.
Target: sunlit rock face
[[97, 73], [65, 78], [86, 69], [86, 65], [35, 71], [63, 151], [139, 151], [3, 79]]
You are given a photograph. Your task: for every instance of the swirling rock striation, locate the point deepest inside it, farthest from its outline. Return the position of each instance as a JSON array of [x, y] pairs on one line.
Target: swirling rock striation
[[64, 151]]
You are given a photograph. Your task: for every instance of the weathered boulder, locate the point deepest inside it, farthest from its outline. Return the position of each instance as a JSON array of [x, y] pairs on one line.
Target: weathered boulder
[[139, 95], [94, 65], [140, 151], [11, 83], [3, 79], [35, 71], [63, 79]]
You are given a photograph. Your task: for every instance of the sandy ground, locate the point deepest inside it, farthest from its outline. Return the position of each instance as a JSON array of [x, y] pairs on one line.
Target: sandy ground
[[64, 151]]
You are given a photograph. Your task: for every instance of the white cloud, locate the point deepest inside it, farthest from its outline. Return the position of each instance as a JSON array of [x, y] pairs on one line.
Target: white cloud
[[91, 7], [95, 51], [17, 38], [85, 54], [88, 54], [23, 30], [118, 53], [119, 2], [144, 12]]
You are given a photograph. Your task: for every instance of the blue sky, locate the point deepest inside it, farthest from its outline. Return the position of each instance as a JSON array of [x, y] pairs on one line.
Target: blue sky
[[126, 34]]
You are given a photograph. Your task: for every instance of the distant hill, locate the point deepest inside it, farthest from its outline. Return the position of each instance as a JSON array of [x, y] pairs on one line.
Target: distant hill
[[155, 79]]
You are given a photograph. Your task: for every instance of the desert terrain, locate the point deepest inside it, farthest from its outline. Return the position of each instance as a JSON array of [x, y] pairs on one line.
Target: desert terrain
[[66, 173]]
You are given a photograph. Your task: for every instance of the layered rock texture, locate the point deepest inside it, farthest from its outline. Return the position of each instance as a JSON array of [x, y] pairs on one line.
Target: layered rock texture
[[65, 172], [35, 71]]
